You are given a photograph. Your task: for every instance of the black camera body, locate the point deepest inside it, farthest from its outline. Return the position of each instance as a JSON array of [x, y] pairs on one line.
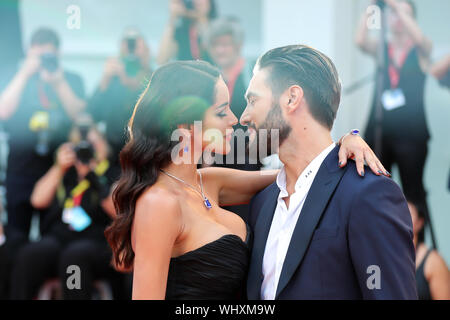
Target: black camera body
[[84, 150], [49, 62]]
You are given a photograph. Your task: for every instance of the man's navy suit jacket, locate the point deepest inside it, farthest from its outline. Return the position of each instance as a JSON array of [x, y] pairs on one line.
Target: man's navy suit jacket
[[353, 239]]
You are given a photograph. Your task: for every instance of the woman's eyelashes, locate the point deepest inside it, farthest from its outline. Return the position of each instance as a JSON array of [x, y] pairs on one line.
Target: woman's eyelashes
[[222, 112]]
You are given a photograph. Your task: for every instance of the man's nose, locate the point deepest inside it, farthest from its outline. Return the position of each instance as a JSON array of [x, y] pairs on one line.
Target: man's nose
[[245, 118]]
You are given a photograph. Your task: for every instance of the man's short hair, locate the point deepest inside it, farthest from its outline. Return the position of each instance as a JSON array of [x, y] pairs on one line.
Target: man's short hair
[[224, 26], [44, 36], [310, 69]]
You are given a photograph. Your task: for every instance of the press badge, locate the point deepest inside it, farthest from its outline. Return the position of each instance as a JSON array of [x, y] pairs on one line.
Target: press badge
[[393, 99], [77, 219]]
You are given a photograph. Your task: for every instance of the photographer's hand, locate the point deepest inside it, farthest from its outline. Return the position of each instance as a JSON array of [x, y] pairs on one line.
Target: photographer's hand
[[32, 63], [10, 97], [113, 67], [65, 157], [45, 189]]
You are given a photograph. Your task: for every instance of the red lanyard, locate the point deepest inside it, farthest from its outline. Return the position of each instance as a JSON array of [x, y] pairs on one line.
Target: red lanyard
[[394, 70], [233, 76], [43, 98], [193, 38]]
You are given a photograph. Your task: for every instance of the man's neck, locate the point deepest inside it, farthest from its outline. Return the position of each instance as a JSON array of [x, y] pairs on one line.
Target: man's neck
[[297, 152]]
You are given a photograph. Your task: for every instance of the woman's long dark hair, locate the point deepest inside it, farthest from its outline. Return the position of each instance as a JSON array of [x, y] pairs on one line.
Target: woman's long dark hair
[[178, 94]]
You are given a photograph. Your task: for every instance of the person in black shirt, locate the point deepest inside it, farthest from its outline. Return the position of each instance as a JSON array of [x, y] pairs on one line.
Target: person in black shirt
[[122, 82], [401, 118], [37, 107], [181, 39], [77, 192]]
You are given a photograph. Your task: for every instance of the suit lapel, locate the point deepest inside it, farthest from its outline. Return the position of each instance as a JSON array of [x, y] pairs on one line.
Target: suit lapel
[[322, 189], [261, 232]]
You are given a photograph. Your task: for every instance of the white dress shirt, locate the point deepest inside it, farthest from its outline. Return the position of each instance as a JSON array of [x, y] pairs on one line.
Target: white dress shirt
[[284, 222]]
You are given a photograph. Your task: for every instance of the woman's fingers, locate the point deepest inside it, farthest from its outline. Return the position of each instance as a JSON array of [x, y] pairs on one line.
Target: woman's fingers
[[371, 161], [342, 157], [359, 159]]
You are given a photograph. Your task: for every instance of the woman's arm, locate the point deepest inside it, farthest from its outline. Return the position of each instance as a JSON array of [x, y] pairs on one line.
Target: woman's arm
[[438, 277], [233, 187], [156, 226], [440, 68], [45, 189], [168, 46], [362, 38]]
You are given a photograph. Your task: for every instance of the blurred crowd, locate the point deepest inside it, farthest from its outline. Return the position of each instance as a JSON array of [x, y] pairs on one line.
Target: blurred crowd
[[64, 146]]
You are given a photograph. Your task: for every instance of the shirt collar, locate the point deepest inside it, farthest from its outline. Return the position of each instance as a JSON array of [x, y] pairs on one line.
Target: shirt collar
[[307, 175]]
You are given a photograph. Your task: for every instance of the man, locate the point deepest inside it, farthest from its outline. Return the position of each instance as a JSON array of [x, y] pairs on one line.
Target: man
[[320, 231], [37, 107]]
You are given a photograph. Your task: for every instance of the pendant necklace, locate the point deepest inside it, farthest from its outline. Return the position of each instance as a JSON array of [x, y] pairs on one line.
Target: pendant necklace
[[205, 199]]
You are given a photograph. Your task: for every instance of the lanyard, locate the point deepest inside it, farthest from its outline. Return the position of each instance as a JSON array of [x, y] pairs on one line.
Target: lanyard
[[394, 70], [234, 74], [193, 39], [79, 190], [43, 98]]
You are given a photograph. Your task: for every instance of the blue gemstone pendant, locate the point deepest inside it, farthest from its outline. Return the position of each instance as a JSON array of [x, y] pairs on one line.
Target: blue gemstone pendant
[[207, 203]]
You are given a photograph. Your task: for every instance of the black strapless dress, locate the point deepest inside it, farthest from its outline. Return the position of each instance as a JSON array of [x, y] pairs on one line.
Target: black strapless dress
[[215, 271]]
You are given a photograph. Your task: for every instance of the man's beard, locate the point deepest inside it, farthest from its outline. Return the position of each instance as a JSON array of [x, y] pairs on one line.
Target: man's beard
[[281, 130]]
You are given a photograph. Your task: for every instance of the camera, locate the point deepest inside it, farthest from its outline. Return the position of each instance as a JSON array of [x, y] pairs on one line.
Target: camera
[[84, 150], [131, 61], [49, 62]]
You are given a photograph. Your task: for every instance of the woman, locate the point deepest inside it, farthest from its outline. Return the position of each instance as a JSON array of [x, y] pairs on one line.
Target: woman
[[181, 38], [404, 130], [170, 228], [432, 275]]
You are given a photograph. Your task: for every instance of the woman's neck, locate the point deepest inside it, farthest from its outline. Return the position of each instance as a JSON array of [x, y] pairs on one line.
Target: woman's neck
[[185, 172]]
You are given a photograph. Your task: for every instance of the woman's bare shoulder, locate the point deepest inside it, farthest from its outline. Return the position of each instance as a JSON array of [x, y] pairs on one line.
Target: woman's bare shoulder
[[157, 202]]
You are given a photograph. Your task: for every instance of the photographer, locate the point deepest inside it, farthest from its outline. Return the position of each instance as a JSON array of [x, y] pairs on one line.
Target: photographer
[[76, 190], [121, 84], [401, 115], [181, 38], [37, 107]]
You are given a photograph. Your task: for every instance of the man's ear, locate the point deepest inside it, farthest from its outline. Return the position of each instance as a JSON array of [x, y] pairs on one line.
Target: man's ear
[[294, 98]]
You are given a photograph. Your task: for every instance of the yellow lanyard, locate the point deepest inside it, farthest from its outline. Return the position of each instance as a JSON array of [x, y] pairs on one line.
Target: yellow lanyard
[[81, 187]]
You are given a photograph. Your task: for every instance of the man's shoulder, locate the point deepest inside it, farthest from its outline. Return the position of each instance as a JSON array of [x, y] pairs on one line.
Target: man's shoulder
[[369, 181], [268, 191]]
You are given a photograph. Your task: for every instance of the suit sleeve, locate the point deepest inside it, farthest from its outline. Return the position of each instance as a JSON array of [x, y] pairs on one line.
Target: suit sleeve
[[381, 244]]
